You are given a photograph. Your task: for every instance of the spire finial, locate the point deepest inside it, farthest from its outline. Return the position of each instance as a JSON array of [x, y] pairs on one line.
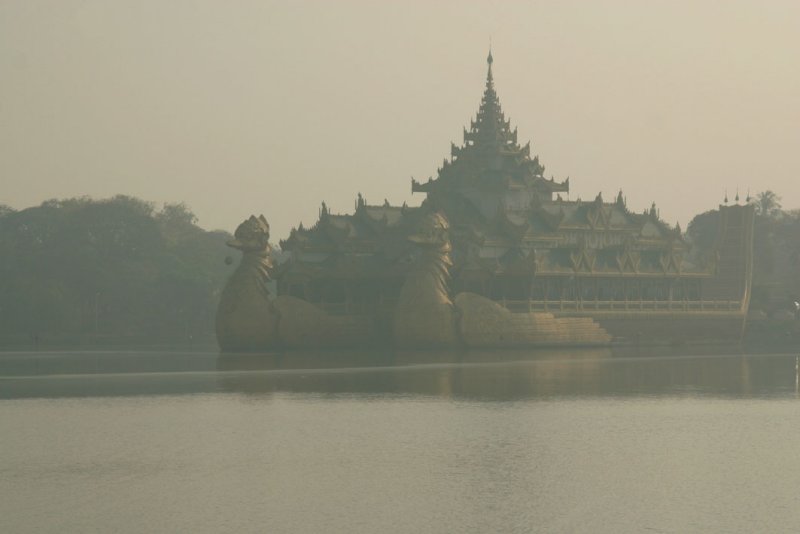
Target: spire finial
[[489, 61]]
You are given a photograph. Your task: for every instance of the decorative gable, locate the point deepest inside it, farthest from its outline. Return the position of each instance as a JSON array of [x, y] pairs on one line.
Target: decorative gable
[[671, 260], [599, 216], [628, 260], [583, 259]]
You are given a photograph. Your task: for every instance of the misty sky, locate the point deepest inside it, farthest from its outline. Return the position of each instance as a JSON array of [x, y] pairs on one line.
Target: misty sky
[[271, 107]]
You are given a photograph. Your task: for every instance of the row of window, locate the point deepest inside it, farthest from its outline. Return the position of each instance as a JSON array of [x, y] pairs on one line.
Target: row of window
[[337, 291]]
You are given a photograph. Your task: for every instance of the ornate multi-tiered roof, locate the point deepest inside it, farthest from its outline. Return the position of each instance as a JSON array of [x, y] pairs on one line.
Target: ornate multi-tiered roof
[[491, 158], [507, 221], [494, 227]]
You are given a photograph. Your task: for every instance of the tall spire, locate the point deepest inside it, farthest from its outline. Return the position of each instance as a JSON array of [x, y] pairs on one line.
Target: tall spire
[[490, 132], [490, 153], [489, 95], [490, 127], [489, 60]]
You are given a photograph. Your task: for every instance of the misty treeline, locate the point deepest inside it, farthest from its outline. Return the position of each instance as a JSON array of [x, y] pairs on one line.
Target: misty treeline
[[122, 270], [84, 270], [776, 243]]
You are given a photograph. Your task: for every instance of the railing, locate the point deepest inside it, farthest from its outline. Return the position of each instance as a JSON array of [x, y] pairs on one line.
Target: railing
[[523, 306]]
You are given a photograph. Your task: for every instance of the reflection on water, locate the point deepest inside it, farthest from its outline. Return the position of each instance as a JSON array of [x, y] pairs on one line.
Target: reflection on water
[[500, 376], [517, 375], [544, 441]]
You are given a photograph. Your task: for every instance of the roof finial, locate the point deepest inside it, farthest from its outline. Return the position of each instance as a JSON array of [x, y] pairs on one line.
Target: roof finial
[[489, 60]]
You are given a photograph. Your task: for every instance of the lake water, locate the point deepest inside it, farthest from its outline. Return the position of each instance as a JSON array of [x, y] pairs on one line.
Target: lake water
[[546, 441]]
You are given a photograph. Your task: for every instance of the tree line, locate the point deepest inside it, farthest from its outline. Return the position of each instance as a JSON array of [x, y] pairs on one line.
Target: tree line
[[776, 243], [81, 271], [120, 270]]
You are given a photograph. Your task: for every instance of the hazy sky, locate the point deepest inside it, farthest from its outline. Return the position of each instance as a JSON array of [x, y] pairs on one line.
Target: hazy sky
[[271, 107]]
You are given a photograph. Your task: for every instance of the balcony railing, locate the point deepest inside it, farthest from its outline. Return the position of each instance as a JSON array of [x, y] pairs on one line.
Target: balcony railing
[[565, 305], [578, 305]]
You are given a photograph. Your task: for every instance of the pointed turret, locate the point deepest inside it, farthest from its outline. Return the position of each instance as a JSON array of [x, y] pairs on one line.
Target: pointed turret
[[491, 157], [490, 128]]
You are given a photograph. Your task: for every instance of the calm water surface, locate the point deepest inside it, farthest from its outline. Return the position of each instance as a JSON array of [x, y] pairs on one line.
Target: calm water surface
[[580, 441]]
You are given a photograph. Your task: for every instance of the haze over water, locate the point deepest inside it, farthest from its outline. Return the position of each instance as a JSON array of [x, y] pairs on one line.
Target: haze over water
[[545, 441]]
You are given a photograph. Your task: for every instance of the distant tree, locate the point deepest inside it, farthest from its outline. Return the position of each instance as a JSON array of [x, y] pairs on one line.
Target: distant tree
[[702, 233], [67, 203], [767, 204], [176, 214], [114, 267], [5, 209], [133, 204], [702, 229], [776, 250], [787, 234], [765, 239]]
